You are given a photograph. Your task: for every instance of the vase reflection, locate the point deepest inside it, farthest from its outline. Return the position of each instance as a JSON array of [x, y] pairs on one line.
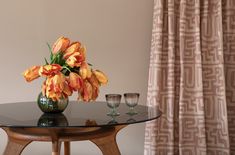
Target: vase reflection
[[53, 120]]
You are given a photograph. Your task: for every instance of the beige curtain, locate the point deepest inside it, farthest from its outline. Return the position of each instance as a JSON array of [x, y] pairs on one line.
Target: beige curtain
[[192, 78]]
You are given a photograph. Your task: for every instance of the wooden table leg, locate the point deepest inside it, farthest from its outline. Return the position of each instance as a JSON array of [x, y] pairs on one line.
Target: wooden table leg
[[66, 148], [108, 144], [56, 146], [103, 137], [15, 147]]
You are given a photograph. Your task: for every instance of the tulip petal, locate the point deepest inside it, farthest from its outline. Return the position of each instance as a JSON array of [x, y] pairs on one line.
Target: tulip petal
[[61, 44], [86, 93], [73, 48], [49, 70], [75, 81], [31, 73], [85, 71], [102, 78]]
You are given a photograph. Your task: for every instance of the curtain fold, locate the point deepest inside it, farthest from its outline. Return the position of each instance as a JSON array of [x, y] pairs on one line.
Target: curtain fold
[[192, 78]]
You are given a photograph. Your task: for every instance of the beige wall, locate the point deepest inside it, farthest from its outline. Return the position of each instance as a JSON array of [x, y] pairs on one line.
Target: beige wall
[[117, 34]]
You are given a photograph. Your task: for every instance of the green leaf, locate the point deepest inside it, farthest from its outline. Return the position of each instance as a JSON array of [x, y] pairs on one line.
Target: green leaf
[[51, 54], [46, 61], [49, 47], [89, 64], [54, 58]]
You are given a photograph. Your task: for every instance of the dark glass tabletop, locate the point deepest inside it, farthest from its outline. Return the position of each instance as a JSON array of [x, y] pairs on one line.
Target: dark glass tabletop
[[93, 114]]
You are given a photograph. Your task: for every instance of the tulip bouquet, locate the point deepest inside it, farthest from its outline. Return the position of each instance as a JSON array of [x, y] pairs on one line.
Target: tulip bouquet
[[67, 72]]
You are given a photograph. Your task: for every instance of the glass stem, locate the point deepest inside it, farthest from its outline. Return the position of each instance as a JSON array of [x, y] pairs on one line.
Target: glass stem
[[131, 109], [114, 110]]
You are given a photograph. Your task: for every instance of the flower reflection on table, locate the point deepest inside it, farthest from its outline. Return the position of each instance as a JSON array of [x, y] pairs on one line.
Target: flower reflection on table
[[90, 122]]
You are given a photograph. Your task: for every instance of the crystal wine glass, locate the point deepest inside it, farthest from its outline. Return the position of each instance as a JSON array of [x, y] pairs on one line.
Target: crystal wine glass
[[113, 101], [131, 100]]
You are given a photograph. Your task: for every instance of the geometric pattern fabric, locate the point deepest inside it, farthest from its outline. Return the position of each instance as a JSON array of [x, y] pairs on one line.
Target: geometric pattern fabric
[[192, 78]]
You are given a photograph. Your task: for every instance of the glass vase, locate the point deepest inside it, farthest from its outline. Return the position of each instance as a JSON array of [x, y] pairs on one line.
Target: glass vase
[[47, 105]]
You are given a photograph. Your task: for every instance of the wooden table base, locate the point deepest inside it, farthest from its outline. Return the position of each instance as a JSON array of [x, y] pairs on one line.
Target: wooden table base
[[103, 137]]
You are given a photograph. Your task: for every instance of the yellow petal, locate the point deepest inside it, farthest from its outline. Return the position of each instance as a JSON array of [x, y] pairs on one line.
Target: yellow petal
[[102, 78], [85, 71]]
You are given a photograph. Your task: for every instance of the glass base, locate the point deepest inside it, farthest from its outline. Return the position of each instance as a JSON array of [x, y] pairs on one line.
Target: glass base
[[132, 112], [113, 114], [131, 120]]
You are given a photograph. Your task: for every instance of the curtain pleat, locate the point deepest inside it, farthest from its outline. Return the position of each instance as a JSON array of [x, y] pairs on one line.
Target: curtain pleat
[[192, 78]]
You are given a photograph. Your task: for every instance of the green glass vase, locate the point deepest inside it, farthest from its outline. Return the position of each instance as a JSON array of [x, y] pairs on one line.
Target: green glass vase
[[47, 105]]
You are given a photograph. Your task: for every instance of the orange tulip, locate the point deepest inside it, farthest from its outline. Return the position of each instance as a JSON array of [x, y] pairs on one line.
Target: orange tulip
[[67, 90], [95, 86], [75, 60], [49, 91], [74, 47], [102, 78], [75, 81], [82, 51], [85, 70], [44, 88], [61, 44], [49, 70], [31, 73], [86, 93], [93, 80], [55, 86], [58, 82], [95, 93]]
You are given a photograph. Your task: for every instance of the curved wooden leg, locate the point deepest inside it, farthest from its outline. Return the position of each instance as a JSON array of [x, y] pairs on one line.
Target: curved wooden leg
[[15, 146], [66, 148], [108, 144]]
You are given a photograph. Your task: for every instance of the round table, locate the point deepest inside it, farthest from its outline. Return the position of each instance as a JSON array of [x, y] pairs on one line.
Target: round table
[[24, 122]]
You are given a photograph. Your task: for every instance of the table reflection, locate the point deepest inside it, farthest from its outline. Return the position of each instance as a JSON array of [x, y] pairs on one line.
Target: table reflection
[[27, 114]]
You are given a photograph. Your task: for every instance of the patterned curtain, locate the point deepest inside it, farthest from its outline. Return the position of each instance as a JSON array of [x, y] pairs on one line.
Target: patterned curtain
[[192, 78]]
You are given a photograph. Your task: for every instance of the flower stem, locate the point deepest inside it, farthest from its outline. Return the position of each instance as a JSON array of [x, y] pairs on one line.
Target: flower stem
[[64, 67]]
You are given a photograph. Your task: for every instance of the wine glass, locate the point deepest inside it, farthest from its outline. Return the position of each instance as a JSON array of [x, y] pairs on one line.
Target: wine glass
[[113, 101], [131, 100]]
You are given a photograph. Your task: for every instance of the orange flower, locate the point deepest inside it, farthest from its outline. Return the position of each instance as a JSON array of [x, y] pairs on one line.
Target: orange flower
[[85, 71], [102, 78], [67, 90], [68, 72], [49, 70], [75, 55], [58, 82], [74, 47], [82, 51], [31, 73], [86, 93], [95, 93], [44, 88], [95, 86], [93, 80], [55, 86], [75, 81], [49, 91], [75, 60], [60, 45]]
